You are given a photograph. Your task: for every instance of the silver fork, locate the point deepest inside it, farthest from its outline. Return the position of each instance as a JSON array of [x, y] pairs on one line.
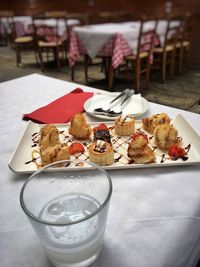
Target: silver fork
[[127, 93]]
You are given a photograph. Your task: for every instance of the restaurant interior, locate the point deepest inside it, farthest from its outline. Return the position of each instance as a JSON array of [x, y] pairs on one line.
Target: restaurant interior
[[175, 84], [63, 58]]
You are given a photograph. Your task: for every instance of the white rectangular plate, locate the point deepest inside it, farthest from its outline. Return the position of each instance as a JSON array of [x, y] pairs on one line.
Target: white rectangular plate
[[21, 160]]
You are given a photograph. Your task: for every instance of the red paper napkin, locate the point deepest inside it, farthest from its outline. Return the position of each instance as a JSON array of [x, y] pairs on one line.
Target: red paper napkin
[[62, 109]]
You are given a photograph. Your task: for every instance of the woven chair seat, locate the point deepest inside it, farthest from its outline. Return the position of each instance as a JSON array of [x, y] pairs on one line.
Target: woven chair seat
[[133, 57], [49, 44], [161, 49], [185, 44], [24, 39]]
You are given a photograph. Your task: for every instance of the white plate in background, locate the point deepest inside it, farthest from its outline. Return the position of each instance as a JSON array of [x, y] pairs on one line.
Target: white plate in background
[[135, 106]]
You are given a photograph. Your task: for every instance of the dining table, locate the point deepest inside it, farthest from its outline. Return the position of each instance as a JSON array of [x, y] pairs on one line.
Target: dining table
[[23, 24], [114, 40], [154, 214]]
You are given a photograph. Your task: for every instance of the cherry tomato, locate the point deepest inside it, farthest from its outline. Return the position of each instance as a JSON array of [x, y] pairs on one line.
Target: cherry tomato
[[76, 148], [176, 151]]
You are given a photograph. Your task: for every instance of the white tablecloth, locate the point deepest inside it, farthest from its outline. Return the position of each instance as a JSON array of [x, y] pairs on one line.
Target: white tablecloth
[[22, 23], [153, 217]]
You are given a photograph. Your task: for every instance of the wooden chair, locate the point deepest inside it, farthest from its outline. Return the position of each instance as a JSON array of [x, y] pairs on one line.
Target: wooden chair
[[48, 40], [22, 43], [164, 56], [137, 64], [183, 45]]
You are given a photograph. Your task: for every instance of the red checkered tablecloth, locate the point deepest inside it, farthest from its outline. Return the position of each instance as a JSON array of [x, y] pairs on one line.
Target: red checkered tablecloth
[[116, 48]]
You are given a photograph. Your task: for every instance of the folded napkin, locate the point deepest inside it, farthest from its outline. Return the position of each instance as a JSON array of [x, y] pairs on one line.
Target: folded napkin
[[62, 109]]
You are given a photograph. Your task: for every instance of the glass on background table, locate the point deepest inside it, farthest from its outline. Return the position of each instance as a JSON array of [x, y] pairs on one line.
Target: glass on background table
[[68, 211]]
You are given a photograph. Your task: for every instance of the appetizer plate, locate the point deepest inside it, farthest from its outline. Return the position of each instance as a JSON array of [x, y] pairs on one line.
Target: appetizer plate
[[135, 106], [26, 157]]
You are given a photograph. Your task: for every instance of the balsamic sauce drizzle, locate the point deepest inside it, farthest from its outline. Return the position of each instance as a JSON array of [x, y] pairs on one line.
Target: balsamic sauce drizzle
[[35, 134], [33, 160], [117, 159], [35, 139], [187, 148], [163, 158], [34, 145]]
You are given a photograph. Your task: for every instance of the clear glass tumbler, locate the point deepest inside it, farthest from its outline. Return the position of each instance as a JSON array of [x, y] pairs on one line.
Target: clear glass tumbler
[[68, 211]]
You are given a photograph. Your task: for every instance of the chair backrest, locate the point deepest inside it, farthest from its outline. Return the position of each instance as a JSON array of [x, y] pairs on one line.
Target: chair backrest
[[147, 35], [174, 31], [187, 26], [49, 29]]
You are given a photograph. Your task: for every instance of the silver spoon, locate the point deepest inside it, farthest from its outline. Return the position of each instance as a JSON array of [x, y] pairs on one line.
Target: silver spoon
[[112, 113], [123, 94]]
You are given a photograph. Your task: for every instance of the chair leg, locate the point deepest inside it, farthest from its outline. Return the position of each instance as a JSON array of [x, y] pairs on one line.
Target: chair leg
[[72, 72], [18, 56], [41, 59], [86, 65], [57, 57], [172, 64], [47, 55], [164, 67], [180, 61], [188, 51], [36, 56], [137, 76], [148, 73], [106, 69], [110, 74], [103, 64]]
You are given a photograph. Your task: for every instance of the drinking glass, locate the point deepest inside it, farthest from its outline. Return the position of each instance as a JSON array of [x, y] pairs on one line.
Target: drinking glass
[[68, 210]]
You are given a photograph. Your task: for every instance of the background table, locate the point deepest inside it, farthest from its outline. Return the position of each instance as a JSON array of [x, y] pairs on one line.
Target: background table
[[153, 212], [115, 40], [23, 24]]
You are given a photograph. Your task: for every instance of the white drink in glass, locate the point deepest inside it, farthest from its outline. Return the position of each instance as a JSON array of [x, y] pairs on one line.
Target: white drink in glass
[[76, 243], [68, 210]]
